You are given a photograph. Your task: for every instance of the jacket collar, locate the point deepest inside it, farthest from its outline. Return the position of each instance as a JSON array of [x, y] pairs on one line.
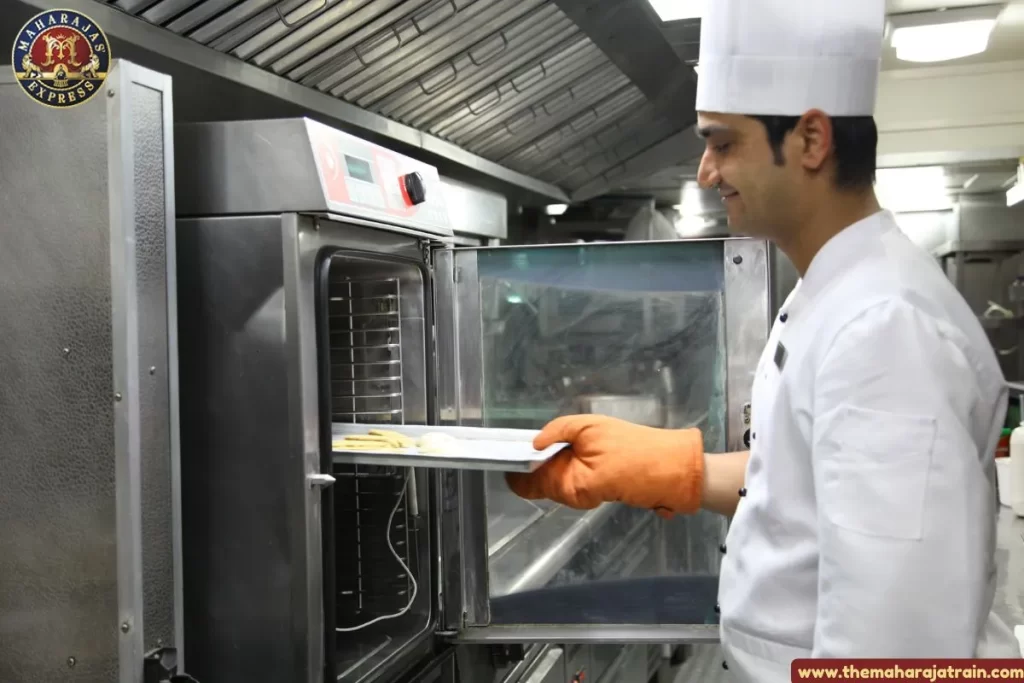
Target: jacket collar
[[845, 248]]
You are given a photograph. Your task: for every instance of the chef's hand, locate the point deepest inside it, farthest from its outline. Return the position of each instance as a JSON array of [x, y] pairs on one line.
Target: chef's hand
[[611, 460]]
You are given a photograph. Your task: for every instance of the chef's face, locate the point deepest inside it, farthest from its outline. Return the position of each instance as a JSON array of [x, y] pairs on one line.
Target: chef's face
[[761, 197]]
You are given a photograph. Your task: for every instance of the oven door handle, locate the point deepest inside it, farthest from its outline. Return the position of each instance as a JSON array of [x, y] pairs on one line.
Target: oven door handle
[[320, 480]]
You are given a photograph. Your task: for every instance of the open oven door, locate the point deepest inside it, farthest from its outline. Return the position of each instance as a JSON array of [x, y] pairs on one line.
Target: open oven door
[[662, 333]]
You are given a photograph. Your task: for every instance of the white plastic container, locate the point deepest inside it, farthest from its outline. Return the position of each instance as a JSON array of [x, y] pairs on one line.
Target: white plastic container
[[1016, 487], [1003, 479]]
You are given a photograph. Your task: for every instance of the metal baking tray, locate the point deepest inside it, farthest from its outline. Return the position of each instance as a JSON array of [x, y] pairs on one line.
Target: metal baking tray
[[502, 450]]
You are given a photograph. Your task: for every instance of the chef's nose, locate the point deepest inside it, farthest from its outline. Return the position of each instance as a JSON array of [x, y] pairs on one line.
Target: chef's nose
[[707, 172]]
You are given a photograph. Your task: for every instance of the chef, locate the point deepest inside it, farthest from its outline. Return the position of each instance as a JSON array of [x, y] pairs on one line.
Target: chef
[[864, 512]]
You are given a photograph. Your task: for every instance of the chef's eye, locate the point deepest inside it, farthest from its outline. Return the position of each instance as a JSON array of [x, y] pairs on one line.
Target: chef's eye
[[721, 149]]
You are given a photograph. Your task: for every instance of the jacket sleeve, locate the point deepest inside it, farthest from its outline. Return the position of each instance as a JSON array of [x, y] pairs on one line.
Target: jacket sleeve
[[901, 432]]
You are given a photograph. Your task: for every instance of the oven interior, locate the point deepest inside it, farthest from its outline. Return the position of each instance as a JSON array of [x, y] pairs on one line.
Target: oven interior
[[377, 578]]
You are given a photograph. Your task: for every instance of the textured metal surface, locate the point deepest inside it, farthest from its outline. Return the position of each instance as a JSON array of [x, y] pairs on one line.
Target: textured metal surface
[[88, 549], [151, 277], [513, 81], [58, 595]]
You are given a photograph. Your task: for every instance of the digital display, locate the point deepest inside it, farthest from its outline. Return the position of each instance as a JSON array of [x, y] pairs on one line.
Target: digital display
[[359, 169]]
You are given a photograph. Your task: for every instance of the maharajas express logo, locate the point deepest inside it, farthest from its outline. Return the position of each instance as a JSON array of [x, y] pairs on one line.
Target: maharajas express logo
[[61, 58]]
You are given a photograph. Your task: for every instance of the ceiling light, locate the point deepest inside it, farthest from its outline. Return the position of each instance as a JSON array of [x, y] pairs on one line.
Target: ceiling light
[[674, 10], [556, 209], [692, 200], [1015, 195], [921, 188], [692, 226], [942, 35]]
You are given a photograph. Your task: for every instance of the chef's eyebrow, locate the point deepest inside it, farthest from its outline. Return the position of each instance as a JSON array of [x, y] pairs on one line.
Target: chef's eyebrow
[[707, 131]]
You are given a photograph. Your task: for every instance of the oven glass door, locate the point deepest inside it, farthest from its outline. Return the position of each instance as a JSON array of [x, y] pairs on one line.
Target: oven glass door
[[665, 334]]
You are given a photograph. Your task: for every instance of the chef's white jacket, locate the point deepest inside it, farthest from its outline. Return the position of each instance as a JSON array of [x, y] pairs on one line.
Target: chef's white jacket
[[867, 524]]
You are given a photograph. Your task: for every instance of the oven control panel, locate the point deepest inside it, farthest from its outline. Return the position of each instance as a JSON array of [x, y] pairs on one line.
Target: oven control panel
[[368, 181]]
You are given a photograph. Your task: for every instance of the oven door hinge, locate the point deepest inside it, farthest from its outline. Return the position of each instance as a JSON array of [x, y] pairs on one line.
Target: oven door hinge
[[161, 666]]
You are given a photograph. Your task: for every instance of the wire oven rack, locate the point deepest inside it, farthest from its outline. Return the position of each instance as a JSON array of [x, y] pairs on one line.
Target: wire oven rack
[[366, 387], [366, 351]]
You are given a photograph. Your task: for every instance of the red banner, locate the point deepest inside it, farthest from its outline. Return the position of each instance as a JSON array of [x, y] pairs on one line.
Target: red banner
[[805, 670]]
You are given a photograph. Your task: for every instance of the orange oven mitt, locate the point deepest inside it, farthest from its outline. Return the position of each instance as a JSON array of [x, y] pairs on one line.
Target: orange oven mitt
[[611, 460]]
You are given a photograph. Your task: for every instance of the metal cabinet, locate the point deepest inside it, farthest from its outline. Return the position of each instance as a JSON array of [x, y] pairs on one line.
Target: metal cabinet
[[90, 572]]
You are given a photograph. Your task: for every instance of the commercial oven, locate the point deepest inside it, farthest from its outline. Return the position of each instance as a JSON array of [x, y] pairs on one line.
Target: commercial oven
[[319, 284]]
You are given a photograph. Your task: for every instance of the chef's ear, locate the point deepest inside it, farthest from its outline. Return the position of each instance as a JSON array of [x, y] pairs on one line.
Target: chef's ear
[[814, 133]]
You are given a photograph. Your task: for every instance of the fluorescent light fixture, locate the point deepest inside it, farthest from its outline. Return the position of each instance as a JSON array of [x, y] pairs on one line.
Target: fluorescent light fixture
[[556, 209], [910, 189], [942, 35], [692, 226], [1015, 195], [674, 10], [691, 200]]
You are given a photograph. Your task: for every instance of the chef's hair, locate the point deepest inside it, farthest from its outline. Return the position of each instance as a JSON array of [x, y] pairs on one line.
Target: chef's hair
[[854, 141]]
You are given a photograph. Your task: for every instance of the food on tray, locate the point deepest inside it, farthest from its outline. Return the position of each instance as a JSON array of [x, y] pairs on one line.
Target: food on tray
[[437, 443], [382, 440], [375, 440]]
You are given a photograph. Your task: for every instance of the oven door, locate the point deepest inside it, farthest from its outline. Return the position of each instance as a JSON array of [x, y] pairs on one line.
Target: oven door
[[662, 333]]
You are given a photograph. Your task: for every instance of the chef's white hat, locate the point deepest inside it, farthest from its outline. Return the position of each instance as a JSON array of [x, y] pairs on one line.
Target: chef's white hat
[[785, 57]]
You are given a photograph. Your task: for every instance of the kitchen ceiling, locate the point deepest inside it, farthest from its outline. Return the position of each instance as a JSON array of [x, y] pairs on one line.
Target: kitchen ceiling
[[566, 98], [668, 184], [563, 92], [1005, 44]]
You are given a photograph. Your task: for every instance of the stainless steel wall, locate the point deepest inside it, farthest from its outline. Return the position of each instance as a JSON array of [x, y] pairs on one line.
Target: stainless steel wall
[[88, 421], [979, 243]]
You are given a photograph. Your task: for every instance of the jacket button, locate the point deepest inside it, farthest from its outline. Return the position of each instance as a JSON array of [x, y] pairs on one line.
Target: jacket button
[[721, 548], [718, 608], [725, 666], [784, 317], [742, 492]]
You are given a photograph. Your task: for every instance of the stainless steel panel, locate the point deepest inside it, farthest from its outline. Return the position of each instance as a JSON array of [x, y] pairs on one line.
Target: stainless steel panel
[[629, 666], [550, 668], [90, 552], [475, 212], [256, 449], [986, 218], [517, 98], [536, 559], [611, 634], [782, 277], [289, 165], [155, 279], [238, 448], [746, 327], [610, 106], [58, 551]]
